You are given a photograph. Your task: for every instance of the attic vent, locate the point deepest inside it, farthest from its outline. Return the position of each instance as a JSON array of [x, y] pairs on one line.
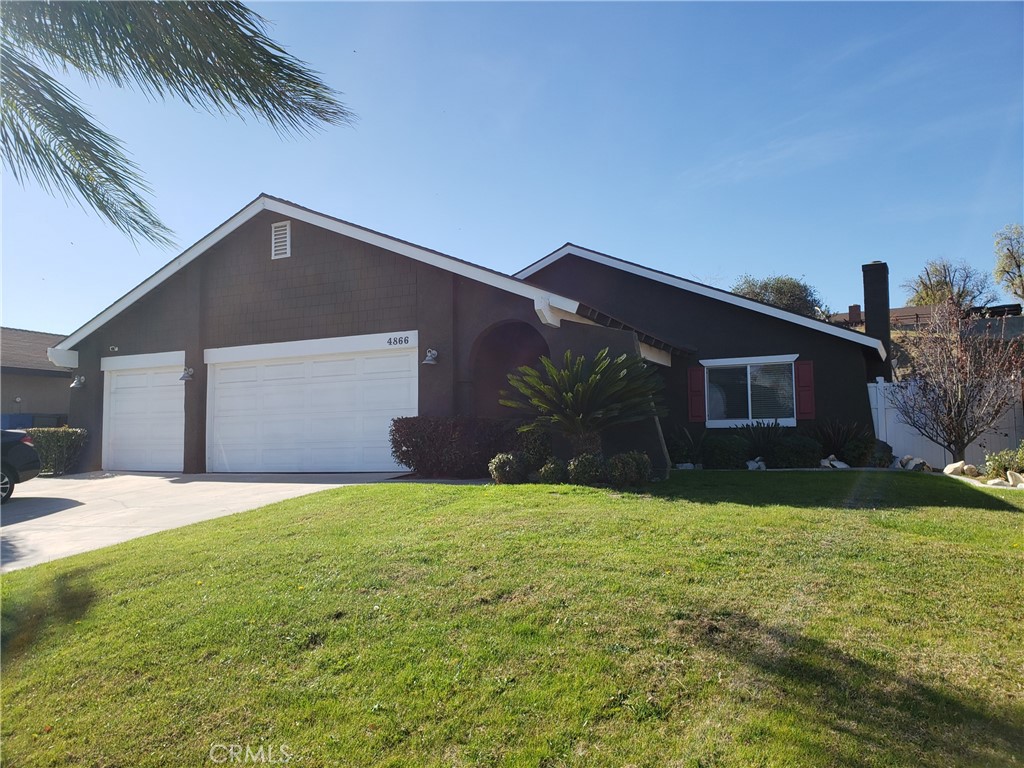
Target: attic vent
[[281, 240]]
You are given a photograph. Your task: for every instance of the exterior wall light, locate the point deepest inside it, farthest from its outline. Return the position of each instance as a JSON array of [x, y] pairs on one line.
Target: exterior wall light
[[186, 374], [78, 383], [431, 358]]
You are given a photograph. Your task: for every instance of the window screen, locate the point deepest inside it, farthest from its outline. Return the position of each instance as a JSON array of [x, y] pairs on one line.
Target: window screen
[[727, 393], [750, 392], [771, 391]]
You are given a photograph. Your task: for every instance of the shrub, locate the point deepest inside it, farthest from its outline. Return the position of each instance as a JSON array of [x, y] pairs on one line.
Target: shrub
[[457, 446], [554, 471], [683, 448], [506, 468], [795, 451], [58, 447], [533, 447], [628, 470], [846, 440], [587, 469], [999, 463], [883, 455], [725, 451], [762, 438]]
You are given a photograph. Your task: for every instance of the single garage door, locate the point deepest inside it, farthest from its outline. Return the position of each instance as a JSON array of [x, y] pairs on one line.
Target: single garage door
[[310, 413], [144, 415]]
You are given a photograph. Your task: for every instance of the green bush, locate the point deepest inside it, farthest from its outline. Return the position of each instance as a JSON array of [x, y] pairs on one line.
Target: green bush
[[435, 446], [533, 447], [587, 469], [554, 471], [725, 451], [883, 456], [507, 468], [629, 470], [795, 451], [684, 448], [846, 440], [762, 438], [999, 463], [58, 447]]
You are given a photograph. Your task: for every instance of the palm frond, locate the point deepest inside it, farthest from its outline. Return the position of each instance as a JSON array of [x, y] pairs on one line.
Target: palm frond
[[46, 135], [213, 55]]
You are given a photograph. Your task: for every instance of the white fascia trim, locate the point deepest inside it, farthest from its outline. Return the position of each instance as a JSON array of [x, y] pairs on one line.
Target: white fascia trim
[[703, 290], [728, 423], [373, 342], [62, 358], [152, 360], [655, 355], [762, 360], [264, 203]]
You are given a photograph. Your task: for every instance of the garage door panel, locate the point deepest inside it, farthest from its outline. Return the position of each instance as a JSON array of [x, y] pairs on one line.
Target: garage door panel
[[334, 417], [144, 422], [334, 368]]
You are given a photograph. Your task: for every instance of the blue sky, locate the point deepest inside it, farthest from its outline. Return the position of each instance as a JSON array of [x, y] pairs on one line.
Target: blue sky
[[708, 140]]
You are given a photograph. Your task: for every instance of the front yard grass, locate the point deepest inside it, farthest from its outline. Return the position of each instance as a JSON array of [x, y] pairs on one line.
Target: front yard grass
[[804, 619]]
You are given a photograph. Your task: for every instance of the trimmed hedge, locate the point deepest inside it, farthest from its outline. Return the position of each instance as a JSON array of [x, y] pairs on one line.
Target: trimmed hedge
[[58, 447], [725, 451], [442, 446], [629, 470], [507, 468]]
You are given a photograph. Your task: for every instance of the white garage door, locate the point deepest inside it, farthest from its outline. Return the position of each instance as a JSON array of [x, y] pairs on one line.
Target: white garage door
[[310, 413], [144, 417]]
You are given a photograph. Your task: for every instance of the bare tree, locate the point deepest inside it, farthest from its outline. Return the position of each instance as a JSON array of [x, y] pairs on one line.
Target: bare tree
[[955, 377], [942, 280], [1009, 248]]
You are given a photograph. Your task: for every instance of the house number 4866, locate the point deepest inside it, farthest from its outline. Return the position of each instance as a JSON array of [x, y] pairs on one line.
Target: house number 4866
[[397, 341]]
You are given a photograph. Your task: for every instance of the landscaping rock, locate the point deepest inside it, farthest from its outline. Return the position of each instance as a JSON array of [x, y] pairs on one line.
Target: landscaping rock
[[998, 483], [756, 464], [687, 465], [828, 461], [837, 464], [971, 471], [956, 468], [896, 464], [905, 461], [918, 465], [1016, 479]]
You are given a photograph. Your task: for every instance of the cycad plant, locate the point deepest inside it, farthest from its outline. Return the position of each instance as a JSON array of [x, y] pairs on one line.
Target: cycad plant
[[583, 398]]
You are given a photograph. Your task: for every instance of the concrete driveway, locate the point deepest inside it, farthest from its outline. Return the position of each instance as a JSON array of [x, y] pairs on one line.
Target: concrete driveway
[[53, 517]]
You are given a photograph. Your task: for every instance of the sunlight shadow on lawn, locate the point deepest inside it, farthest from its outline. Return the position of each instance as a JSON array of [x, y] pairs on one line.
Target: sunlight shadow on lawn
[[876, 712]]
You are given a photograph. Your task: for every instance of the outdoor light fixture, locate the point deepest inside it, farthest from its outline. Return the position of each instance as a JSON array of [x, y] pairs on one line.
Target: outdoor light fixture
[[78, 383], [186, 374], [431, 358]]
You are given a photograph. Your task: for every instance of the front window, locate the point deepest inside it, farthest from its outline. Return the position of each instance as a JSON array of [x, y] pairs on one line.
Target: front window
[[742, 391]]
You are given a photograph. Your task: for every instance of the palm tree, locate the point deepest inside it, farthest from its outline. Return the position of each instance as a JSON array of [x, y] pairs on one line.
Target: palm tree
[[213, 55], [583, 398]]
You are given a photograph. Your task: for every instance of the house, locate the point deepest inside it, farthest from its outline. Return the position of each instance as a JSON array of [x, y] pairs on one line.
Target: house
[[32, 392], [287, 340]]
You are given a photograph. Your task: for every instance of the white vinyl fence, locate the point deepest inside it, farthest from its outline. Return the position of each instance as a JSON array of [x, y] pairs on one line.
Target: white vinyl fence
[[907, 440]]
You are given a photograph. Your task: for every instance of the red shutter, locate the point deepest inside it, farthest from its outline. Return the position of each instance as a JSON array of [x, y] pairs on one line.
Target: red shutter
[[695, 381], [803, 372]]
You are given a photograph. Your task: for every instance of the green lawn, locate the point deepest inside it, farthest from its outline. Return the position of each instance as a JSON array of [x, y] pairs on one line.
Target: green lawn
[[804, 619]]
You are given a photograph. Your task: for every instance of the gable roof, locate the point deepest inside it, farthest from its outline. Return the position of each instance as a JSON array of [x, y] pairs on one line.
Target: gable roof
[[543, 300], [26, 350], [570, 249]]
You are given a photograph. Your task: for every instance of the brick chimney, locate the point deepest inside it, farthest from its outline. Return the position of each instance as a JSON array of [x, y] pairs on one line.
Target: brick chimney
[[853, 317], [876, 315]]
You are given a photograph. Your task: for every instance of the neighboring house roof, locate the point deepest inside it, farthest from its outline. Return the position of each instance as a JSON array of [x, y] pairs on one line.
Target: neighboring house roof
[[570, 249], [544, 301], [26, 350], [898, 317]]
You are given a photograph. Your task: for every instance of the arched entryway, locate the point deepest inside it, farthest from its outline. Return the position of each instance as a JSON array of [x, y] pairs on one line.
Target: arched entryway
[[497, 352]]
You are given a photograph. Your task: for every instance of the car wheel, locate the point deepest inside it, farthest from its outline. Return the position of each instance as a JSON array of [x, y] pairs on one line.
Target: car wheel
[[6, 486]]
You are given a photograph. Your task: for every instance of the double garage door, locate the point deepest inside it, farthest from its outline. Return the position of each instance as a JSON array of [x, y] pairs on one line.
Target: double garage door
[[323, 405]]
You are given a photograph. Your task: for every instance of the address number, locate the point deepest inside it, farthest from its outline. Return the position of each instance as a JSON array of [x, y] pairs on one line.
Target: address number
[[398, 341]]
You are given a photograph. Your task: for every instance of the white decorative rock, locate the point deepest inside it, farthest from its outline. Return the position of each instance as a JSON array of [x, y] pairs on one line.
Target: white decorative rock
[[687, 465], [1015, 479], [971, 471], [905, 461], [837, 464], [956, 468], [752, 465], [918, 465], [826, 462], [896, 464], [762, 466], [998, 483]]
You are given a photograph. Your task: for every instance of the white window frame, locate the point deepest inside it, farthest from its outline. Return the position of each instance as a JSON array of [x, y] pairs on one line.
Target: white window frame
[[738, 362]]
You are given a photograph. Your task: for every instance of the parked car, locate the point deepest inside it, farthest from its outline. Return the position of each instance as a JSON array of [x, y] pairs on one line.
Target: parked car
[[20, 461]]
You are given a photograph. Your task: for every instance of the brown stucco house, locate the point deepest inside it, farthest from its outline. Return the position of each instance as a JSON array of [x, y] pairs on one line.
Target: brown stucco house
[[287, 340], [33, 392]]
